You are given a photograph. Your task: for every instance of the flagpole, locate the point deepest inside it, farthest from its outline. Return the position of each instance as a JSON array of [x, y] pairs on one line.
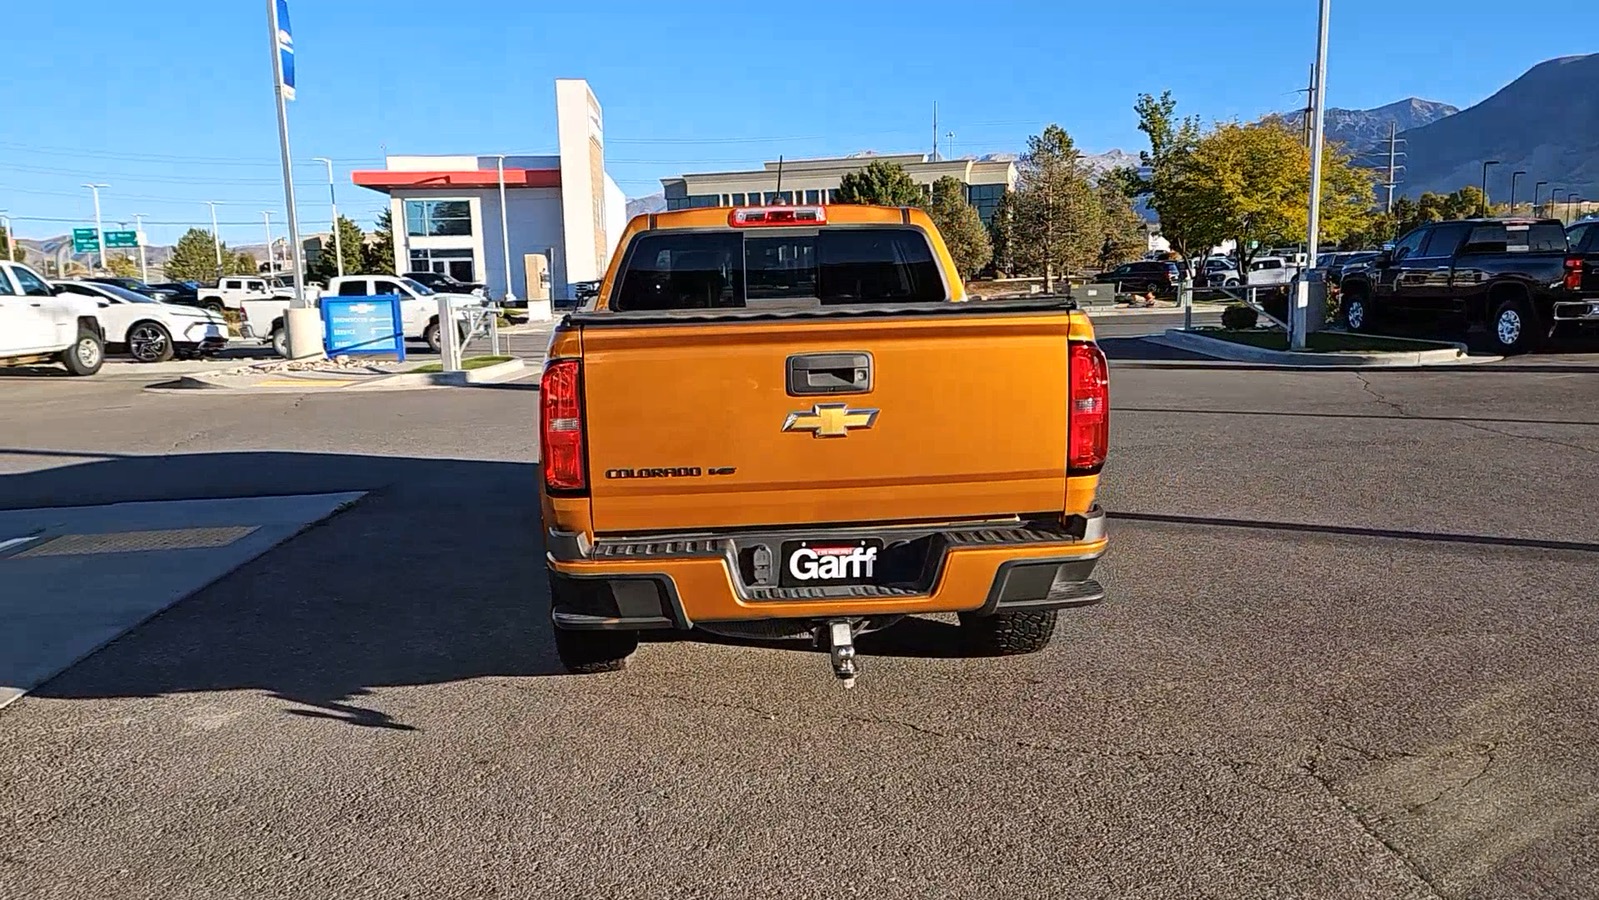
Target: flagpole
[[303, 321]]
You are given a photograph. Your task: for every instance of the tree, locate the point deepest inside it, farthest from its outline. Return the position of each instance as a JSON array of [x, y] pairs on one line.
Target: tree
[[1251, 183], [1002, 234], [1125, 235], [1058, 220], [377, 258], [194, 257], [240, 263], [880, 184], [1171, 140], [352, 240], [960, 225], [122, 266]]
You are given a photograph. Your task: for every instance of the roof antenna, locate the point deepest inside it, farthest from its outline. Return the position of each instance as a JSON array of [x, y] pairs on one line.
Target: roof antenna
[[780, 177]]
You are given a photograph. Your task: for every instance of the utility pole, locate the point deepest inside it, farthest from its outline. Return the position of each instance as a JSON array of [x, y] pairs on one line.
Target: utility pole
[[935, 131], [1309, 110], [216, 234], [1393, 164], [950, 139], [333, 200], [138, 231], [266, 219], [1299, 317], [99, 231]]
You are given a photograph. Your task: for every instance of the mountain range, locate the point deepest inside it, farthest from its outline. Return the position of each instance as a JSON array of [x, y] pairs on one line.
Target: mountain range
[[1545, 123], [1364, 132]]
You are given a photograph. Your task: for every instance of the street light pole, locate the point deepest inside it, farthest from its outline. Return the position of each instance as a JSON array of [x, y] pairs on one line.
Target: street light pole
[[1537, 189], [1299, 317], [216, 235], [138, 233], [333, 200], [98, 230], [505, 237], [266, 219], [1513, 176], [1570, 198], [1492, 162]]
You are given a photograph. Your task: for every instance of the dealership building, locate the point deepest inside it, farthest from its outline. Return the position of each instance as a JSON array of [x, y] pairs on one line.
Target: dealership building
[[816, 181], [562, 215]]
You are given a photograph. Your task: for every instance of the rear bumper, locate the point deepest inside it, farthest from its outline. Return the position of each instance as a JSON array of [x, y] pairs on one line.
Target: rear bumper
[[1577, 310], [679, 583]]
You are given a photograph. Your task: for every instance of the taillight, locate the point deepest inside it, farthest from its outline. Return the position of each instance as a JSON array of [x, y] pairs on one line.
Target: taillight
[[1573, 273], [1088, 424], [777, 215], [561, 426]]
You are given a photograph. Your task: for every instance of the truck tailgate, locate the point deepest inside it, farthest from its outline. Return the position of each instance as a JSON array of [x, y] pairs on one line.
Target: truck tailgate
[[960, 415]]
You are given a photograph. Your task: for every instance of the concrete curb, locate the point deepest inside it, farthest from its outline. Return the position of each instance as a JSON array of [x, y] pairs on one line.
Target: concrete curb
[[1453, 355], [505, 371]]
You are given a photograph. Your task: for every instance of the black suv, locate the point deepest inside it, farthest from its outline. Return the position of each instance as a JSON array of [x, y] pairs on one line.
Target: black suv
[[1160, 276]]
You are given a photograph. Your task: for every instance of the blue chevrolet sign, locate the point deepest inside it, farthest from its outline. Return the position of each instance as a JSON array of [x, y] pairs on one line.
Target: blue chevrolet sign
[[363, 325], [285, 49]]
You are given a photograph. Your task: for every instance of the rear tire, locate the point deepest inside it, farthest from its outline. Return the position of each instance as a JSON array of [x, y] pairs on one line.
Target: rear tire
[[86, 355], [280, 342], [1008, 634], [213, 306], [593, 652], [431, 336], [1514, 327]]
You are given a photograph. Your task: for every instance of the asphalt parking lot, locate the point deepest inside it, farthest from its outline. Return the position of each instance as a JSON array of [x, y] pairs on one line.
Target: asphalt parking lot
[[1349, 651]]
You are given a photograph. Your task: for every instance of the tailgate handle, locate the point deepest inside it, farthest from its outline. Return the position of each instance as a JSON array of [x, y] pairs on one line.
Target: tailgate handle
[[829, 373]]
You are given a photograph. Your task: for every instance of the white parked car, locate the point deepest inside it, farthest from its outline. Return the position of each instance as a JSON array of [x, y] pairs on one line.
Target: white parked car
[[232, 291], [419, 308], [150, 330], [39, 326]]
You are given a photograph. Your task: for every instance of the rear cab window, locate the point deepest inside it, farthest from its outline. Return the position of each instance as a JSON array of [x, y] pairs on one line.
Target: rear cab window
[[1516, 237], [760, 268]]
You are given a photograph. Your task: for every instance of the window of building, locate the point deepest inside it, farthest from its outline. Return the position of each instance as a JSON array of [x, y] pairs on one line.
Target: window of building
[[832, 195], [813, 196], [438, 218], [774, 198], [456, 263], [985, 198], [738, 199]]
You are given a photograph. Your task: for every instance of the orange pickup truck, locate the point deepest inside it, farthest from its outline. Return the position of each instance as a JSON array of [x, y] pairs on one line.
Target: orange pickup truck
[[774, 422]]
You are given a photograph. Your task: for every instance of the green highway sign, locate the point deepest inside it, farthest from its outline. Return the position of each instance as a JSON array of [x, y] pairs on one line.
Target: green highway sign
[[122, 239], [85, 240]]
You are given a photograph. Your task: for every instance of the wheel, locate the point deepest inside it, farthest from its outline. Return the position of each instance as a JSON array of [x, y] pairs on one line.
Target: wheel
[[592, 652], [1357, 311], [431, 335], [86, 355], [213, 305], [150, 342], [280, 342], [1231, 282], [1008, 634], [1514, 327]]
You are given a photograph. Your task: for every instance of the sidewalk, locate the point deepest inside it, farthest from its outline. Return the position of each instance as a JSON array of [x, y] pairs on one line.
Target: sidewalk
[[77, 578]]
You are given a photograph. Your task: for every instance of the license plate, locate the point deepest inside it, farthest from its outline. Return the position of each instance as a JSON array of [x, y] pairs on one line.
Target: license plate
[[829, 563]]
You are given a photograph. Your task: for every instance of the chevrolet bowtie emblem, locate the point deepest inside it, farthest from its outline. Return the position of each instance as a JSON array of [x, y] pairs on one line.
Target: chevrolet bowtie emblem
[[830, 420]]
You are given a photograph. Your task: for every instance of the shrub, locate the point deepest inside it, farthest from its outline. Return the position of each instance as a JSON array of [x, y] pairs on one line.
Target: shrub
[[1238, 317]]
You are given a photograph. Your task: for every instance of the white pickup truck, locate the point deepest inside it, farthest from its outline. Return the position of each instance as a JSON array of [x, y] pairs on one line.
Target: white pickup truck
[[233, 291], [37, 325], [419, 308]]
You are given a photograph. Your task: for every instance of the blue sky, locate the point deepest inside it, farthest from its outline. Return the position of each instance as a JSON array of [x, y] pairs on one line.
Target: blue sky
[[169, 101]]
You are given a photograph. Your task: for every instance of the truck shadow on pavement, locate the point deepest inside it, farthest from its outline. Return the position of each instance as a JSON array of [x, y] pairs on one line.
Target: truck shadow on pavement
[[435, 576]]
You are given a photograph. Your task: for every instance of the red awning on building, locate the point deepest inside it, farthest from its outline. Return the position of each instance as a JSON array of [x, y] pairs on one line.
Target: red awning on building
[[385, 180]]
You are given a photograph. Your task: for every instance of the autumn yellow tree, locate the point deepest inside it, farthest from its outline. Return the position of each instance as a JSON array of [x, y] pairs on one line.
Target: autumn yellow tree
[[1251, 184]]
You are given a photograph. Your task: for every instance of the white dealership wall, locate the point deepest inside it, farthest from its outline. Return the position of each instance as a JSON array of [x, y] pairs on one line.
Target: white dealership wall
[[576, 214]]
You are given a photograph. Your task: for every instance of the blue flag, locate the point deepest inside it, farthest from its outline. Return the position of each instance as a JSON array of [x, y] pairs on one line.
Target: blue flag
[[285, 50]]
